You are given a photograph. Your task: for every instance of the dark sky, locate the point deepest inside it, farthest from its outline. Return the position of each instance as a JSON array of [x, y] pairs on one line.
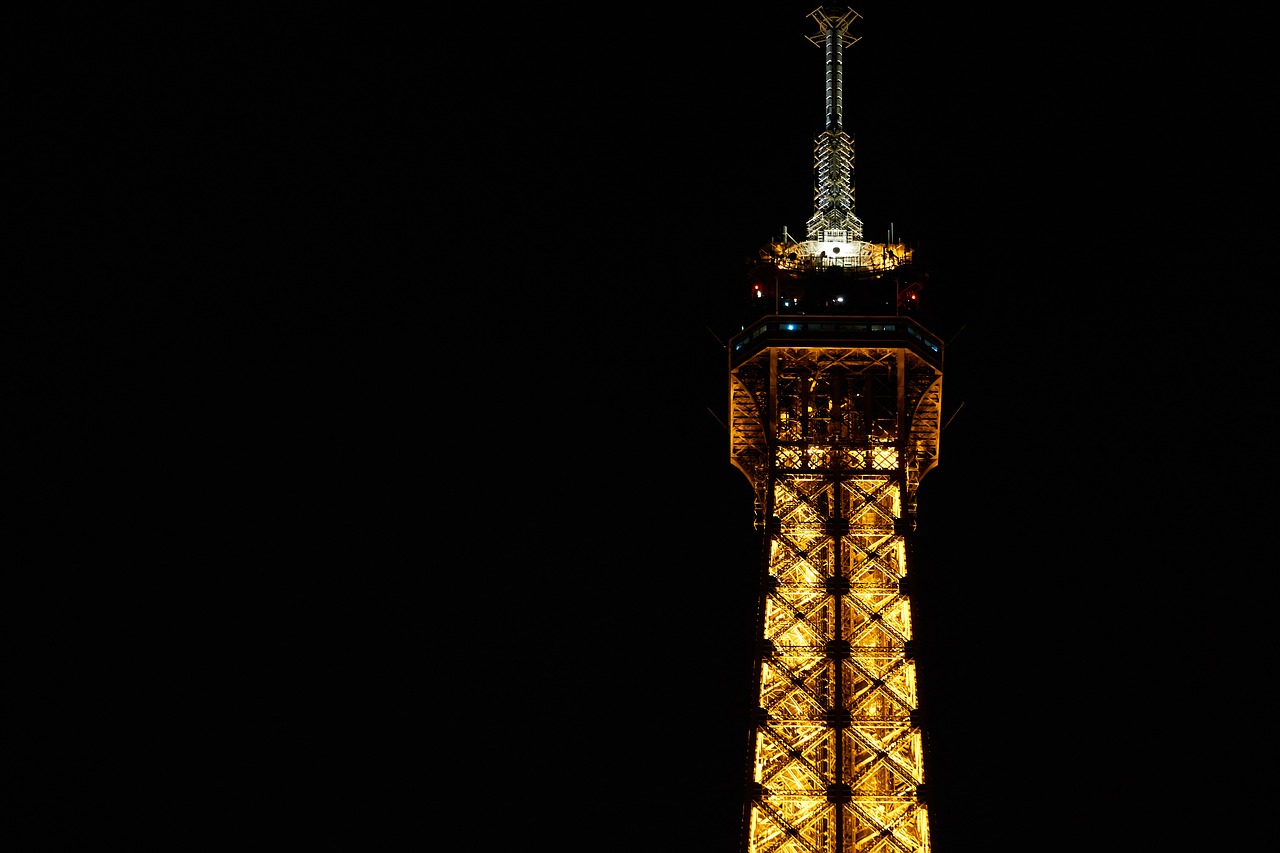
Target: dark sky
[[425, 318]]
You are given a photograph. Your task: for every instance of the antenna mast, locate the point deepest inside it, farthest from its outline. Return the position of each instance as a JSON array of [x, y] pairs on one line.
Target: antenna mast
[[833, 218]]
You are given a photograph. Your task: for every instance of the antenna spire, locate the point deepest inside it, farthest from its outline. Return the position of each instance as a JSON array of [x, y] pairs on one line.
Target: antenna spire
[[833, 217], [834, 36]]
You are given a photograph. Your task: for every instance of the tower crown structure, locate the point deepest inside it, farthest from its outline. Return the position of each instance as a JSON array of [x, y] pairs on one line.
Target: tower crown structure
[[835, 396], [834, 236], [834, 225]]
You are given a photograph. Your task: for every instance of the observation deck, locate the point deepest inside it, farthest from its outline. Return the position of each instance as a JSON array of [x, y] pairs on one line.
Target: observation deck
[[834, 330]]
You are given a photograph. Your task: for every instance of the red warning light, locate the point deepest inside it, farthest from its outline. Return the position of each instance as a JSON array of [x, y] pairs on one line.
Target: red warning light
[[911, 293]]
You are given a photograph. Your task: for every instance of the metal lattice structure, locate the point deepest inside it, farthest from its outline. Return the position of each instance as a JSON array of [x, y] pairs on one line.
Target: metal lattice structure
[[833, 218], [834, 418]]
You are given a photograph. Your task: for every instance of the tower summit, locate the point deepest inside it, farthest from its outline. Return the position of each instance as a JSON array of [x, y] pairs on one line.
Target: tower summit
[[834, 220], [784, 270], [835, 395]]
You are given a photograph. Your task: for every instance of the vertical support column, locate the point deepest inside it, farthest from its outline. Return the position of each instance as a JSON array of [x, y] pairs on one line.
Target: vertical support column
[[835, 77]]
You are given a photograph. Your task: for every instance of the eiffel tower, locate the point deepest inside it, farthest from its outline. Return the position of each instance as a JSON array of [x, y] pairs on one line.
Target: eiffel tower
[[835, 395]]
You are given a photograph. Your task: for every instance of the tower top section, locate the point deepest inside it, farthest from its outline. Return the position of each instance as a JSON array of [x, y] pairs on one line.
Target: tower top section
[[833, 34], [829, 22], [834, 230], [788, 270]]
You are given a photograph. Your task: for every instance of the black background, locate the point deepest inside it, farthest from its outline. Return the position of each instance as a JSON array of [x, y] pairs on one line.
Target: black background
[[382, 360]]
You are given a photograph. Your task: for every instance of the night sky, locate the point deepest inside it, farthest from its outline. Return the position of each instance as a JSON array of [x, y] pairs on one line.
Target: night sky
[[427, 326]]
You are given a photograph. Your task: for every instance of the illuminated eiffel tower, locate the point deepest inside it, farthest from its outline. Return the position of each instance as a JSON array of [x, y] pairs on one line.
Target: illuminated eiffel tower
[[835, 396]]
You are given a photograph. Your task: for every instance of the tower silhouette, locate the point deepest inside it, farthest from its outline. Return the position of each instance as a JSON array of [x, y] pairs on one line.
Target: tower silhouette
[[835, 393]]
